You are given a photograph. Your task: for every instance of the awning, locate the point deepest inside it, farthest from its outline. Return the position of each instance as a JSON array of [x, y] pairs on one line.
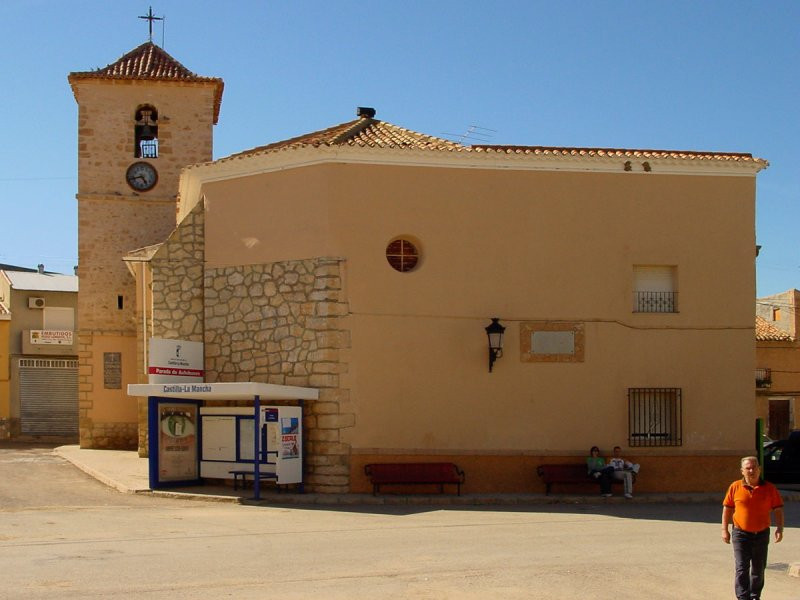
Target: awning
[[240, 390]]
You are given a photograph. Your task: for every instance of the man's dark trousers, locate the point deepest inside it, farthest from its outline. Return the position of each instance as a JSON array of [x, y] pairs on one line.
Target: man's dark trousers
[[750, 555]]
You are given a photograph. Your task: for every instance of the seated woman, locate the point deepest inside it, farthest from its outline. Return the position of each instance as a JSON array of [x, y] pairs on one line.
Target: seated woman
[[598, 469]]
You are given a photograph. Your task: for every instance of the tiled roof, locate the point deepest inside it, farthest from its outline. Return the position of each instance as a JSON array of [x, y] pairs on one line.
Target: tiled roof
[[364, 132], [150, 62], [766, 332], [619, 153], [373, 133]]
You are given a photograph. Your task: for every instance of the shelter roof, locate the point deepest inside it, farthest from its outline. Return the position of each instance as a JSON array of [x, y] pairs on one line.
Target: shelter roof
[[245, 390], [152, 63], [766, 332]]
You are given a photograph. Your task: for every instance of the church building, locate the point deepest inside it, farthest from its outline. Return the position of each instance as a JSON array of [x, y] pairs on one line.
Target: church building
[[366, 260]]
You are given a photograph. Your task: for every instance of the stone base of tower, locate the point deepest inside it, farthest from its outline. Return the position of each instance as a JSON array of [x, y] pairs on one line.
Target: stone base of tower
[[107, 415], [109, 436]]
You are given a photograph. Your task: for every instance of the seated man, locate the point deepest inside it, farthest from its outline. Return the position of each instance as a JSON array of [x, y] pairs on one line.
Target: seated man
[[624, 470]]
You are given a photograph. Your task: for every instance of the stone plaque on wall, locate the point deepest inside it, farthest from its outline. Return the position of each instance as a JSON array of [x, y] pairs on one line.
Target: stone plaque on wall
[[112, 370], [552, 341]]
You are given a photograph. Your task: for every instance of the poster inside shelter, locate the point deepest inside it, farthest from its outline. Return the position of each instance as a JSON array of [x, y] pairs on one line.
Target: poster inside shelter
[[289, 446], [290, 438], [177, 443]]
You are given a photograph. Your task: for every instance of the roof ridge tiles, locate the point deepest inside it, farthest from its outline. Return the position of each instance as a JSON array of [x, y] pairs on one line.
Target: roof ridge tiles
[[150, 62], [606, 151], [357, 126]]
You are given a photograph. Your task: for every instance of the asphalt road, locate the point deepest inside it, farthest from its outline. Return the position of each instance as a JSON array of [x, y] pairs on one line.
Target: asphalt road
[[64, 535]]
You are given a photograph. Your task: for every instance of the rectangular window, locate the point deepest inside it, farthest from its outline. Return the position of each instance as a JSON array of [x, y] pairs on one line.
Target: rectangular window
[[655, 289], [60, 318], [654, 417]]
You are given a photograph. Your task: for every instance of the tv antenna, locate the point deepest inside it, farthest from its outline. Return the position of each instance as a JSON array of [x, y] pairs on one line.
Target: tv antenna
[[474, 133]]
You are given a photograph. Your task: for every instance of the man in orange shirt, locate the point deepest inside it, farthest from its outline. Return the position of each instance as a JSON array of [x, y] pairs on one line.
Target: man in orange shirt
[[749, 504]]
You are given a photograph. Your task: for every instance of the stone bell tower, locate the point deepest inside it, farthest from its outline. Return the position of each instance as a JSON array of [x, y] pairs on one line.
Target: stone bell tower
[[141, 120]]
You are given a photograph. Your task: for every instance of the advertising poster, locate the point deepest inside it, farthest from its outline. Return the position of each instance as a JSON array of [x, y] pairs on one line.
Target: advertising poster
[[177, 442], [290, 447]]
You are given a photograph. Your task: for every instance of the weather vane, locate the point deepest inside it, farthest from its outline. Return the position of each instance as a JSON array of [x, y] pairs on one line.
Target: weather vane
[[149, 17]]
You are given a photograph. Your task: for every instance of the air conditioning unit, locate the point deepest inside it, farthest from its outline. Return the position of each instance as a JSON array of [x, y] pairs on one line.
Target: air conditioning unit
[[35, 302]]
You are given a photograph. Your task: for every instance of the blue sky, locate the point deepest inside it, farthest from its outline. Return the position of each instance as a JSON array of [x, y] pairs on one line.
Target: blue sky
[[700, 75]]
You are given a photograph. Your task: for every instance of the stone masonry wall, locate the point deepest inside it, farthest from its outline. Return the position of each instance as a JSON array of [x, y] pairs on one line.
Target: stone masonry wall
[[177, 293], [177, 270], [282, 323]]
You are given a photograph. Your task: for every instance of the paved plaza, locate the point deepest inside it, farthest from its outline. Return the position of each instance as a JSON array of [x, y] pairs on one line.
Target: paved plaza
[[63, 534]]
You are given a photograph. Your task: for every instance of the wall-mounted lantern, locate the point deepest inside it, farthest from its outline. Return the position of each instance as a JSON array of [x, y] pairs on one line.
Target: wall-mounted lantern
[[495, 331]]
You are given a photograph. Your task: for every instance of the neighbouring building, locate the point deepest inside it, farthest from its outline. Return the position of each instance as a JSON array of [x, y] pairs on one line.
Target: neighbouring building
[[366, 259], [38, 354], [777, 362]]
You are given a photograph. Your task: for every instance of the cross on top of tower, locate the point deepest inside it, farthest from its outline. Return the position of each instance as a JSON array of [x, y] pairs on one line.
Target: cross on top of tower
[[149, 17]]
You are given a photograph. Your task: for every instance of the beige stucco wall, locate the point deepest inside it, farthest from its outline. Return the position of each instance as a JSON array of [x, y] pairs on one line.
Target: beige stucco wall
[[522, 246], [107, 417], [506, 226]]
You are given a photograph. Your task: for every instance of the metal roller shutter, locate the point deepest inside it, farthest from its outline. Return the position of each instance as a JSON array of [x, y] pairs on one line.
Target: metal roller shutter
[[48, 391]]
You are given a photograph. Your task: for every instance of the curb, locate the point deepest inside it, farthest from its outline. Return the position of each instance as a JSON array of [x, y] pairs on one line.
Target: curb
[[101, 477], [313, 499]]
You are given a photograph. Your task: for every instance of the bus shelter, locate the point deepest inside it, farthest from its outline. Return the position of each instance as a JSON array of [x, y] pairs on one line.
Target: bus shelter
[[189, 440]]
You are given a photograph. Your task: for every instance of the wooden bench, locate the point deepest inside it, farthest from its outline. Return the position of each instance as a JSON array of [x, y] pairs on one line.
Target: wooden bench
[[243, 473], [569, 473], [438, 473]]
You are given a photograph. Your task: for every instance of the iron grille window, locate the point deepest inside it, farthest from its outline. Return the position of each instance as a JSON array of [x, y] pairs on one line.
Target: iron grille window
[[655, 302], [654, 416], [763, 378]]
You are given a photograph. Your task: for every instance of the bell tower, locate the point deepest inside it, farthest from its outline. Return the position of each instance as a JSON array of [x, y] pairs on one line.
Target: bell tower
[[141, 120]]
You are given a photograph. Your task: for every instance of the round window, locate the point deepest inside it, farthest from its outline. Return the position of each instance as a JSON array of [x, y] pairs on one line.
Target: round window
[[402, 255]]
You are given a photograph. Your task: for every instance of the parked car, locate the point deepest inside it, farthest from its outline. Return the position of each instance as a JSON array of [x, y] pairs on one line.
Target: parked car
[[782, 460]]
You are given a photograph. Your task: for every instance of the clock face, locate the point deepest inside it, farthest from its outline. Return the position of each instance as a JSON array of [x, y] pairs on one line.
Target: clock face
[[141, 176]]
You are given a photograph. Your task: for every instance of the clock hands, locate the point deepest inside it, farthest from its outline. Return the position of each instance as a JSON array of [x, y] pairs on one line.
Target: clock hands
[[141, 176]]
